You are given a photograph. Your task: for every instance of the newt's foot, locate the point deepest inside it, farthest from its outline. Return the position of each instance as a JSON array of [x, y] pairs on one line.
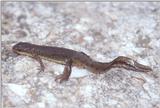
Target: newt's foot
[[42, 68], [61, 78]]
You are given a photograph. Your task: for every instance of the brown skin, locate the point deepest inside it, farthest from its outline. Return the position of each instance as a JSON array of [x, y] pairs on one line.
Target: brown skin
[[70, 57]]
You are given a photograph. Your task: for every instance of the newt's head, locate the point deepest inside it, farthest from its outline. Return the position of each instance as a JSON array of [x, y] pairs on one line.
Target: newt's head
[[21, 47]]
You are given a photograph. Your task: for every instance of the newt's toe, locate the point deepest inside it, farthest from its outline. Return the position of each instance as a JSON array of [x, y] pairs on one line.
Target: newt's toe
[[61, 78]]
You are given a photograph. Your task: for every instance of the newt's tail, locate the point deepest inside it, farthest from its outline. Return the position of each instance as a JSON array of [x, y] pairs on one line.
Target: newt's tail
[[129, 64]]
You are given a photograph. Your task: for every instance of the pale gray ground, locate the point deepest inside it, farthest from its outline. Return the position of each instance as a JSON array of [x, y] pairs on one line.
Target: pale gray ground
[[103, 31]]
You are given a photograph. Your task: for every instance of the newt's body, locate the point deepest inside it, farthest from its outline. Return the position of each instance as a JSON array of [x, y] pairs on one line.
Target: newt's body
[[70, 57]]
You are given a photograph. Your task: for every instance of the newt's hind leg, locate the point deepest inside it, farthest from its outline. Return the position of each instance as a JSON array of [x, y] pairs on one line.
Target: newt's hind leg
[[66, 72]]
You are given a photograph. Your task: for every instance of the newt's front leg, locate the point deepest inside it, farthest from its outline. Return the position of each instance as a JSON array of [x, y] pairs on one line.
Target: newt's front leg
[[36, 57], [66, 72]]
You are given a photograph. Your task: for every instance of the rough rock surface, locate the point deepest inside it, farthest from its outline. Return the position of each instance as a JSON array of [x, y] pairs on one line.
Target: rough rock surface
[[103, 31]]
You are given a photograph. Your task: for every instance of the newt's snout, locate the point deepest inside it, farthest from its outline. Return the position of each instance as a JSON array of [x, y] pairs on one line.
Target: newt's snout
[[15, 48]]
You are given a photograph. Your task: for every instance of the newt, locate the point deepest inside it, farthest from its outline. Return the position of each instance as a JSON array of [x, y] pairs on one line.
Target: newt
[[69, 58]]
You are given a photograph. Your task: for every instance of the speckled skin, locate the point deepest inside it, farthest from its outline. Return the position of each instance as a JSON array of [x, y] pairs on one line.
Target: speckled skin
[[70, 57]]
